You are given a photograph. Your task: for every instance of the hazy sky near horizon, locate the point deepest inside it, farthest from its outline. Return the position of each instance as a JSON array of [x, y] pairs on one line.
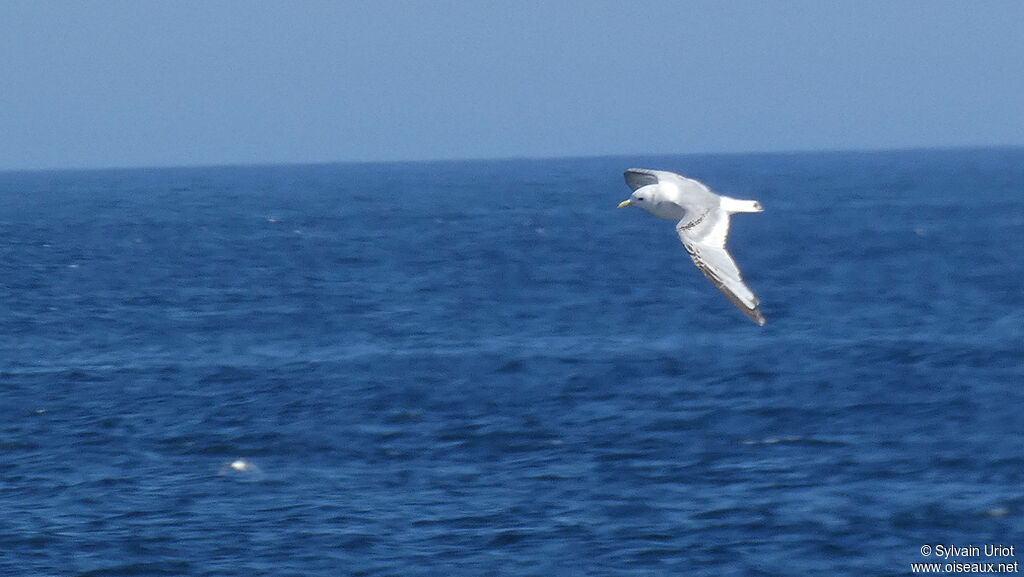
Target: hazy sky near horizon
[[147, 83]]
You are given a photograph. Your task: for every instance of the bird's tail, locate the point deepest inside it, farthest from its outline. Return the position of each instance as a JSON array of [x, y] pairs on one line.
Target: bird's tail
[[733, 205]]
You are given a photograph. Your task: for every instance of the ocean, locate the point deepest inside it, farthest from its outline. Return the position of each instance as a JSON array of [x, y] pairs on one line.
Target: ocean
[[485, 368]]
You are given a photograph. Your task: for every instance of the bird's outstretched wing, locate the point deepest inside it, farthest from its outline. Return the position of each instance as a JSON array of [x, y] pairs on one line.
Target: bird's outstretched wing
[[637, 177], [704, 237], [689, 190]]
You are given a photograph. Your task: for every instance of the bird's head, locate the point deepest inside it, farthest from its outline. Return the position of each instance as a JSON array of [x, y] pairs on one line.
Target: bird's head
[[642, 197]]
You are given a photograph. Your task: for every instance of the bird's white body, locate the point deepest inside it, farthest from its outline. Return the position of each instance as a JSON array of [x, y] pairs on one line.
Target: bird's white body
[[702, 224]]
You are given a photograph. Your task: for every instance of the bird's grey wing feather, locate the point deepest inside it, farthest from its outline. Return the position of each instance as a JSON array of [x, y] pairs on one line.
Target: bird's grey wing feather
[[704, 237], [637, 177]]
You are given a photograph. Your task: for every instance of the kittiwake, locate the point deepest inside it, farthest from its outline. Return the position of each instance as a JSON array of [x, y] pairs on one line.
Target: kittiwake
[[703, 226]]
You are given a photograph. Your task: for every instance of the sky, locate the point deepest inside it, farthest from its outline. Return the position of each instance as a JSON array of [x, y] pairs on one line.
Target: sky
[[183, 83]]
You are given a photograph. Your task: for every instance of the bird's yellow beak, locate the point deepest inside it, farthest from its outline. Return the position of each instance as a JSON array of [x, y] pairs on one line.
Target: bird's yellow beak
[[625, 203]]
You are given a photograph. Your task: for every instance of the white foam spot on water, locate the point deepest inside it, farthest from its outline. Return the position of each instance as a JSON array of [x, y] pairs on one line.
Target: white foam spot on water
[[776, 440], [239, 467]]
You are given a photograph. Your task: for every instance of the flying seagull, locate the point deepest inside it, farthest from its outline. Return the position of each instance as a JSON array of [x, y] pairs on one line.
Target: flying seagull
[[703, 226]]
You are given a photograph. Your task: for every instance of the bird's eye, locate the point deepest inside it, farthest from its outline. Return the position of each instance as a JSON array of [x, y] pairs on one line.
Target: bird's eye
[[640, 198]]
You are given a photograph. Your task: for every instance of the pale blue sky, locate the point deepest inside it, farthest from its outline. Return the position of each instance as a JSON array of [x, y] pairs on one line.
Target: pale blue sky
[[139, 83]]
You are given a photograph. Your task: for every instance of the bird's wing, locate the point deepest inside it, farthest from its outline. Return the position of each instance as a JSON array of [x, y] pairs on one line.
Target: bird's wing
[[704, 237], [687, 189], [637, 177]]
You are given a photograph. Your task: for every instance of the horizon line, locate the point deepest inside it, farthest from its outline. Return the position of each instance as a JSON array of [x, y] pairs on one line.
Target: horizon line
[[527, 158]]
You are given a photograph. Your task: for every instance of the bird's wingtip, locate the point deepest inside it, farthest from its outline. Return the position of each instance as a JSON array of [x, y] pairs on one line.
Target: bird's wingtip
[[757, 317]]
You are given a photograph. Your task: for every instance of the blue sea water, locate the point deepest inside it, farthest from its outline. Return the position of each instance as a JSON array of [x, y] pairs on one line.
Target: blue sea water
[[485, 368]]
